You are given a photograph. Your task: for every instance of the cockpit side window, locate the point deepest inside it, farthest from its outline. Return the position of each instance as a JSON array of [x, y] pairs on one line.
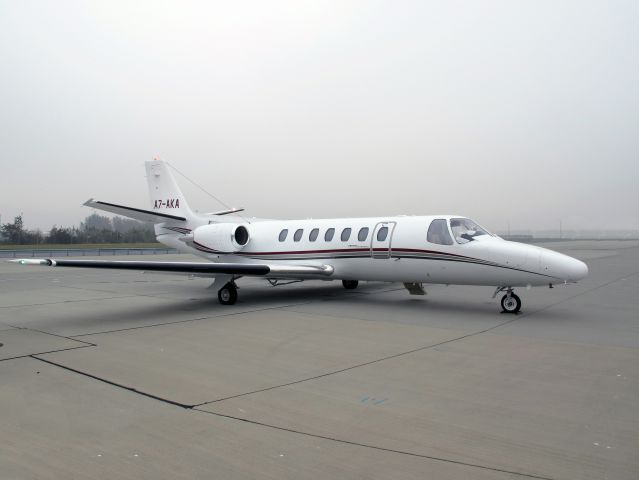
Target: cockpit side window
[[438, 233], [465, 230]]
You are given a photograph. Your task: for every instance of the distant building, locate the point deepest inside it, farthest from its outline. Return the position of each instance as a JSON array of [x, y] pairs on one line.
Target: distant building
[[518, 238]]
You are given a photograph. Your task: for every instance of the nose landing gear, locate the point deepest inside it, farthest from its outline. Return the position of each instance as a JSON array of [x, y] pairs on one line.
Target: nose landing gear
[[510, 303]]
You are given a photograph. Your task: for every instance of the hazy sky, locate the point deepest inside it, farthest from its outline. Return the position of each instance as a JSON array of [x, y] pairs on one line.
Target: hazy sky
[[515, 111]]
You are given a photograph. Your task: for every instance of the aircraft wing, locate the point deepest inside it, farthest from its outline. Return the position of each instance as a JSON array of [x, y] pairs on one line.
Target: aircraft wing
[[135, 213], [194, 268]]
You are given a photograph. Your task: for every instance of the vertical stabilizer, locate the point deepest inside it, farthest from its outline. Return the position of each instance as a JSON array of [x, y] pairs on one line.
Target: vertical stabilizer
[[166, 197]]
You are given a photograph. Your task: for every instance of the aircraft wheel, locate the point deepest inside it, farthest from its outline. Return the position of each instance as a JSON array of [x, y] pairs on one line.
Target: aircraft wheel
[[511, 304], [227, 295], [350, 284]]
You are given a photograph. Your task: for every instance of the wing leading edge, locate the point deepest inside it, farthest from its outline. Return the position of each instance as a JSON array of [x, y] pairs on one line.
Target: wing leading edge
[[197, 268]]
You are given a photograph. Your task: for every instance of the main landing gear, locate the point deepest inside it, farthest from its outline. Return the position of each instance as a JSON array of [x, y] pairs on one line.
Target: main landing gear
[[227, 295], [350, 284], [510, 302]]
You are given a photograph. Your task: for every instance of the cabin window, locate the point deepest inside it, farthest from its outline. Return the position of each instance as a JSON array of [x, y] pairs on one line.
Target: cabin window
[[363, 234], [382, 233], [438, 233], [328, 236], [346, 234], [298, 234], [313, 235], [283, 234]]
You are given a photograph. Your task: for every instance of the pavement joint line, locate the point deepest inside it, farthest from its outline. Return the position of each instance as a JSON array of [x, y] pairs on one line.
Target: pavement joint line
[[109, 382], [44, 353], [415, 350], [144, 295], [66, 301], [194, 407], [299, 432], [111, 291], [374, 447], [359, 365], [53, 335], [324, 297], [330, 315], [576, 295], [388, 357], [197, 319], [245, 420], [138, 295]]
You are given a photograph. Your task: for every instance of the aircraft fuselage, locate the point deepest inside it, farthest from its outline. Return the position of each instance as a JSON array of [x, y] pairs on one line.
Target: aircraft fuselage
[[403, 254]]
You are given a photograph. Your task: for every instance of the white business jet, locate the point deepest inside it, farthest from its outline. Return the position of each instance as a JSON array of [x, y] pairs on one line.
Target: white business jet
[[414, 250]]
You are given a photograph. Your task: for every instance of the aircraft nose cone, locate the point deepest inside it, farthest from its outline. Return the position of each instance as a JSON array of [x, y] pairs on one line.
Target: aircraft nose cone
[[563, 267], [577, 270]]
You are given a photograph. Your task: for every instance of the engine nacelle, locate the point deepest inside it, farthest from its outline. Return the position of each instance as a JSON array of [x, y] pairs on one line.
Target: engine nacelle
[[222, 237]]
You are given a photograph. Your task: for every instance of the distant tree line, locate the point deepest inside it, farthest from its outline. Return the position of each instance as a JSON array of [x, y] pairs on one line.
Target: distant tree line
[[94, 229]]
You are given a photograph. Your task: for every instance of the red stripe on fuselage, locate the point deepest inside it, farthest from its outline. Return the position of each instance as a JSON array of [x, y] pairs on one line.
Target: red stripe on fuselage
[[302, 252], [355, 250]]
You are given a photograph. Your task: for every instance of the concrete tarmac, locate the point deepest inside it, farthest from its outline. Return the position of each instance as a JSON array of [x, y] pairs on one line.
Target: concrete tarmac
[[107, 374]]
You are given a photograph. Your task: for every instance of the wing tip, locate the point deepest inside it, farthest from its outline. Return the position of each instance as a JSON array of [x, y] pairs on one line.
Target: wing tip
[[33, 261]]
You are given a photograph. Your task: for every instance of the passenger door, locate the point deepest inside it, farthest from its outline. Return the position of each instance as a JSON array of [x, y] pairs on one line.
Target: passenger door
[[382, 240]]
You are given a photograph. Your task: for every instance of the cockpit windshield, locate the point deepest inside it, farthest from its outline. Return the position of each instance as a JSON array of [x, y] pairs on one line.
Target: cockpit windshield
[[465, 230]]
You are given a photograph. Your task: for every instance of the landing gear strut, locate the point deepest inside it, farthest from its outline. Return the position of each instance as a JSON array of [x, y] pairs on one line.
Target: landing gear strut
[[227, 295], [350, 284], [510, 302]]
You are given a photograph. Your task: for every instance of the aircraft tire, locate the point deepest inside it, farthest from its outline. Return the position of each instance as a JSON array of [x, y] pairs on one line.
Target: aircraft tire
[[512, 304], [350, 284], [227, 295]]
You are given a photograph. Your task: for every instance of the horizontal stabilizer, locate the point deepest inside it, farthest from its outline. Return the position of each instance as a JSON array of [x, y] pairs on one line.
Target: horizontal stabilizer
[[225, 212], [195, 268], [130, 212]]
